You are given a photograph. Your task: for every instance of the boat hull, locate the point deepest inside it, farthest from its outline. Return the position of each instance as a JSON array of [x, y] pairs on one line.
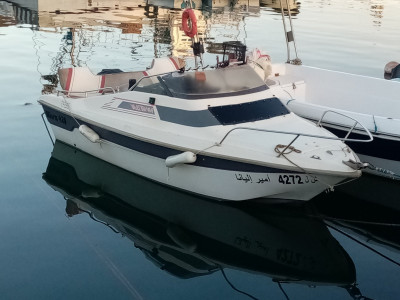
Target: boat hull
[[382, 153], [214, 177], [313, 94]]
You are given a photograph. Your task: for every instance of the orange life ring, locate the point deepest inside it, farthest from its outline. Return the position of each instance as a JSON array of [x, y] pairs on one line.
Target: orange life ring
[[189, 14]]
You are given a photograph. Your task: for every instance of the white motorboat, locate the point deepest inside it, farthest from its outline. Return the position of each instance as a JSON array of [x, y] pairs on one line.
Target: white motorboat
[[221, 133], [323, 96], [316, 94]]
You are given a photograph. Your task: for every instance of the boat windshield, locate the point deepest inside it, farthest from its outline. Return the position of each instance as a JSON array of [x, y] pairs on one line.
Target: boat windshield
[[223, 82]]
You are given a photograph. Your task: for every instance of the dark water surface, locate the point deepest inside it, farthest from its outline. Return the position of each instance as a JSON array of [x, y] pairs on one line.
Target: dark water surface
[[74, 227]]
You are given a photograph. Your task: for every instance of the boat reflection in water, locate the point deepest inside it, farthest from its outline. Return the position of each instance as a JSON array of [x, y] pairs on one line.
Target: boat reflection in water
[[375, 190], [189, 236], [367, 211]]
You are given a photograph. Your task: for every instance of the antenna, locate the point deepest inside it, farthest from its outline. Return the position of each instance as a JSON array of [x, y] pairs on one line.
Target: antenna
[[289, 35]]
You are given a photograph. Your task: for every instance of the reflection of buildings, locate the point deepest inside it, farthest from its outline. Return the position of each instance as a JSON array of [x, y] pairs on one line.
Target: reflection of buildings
[[140, 17], [243, 4], [28, 4], [293, 5], [195, 4], [119, 13], [376, 7], [17, 12], [94, 24], [124, 34], [180, 43], [219, 21], [226, 21], [7, 16]]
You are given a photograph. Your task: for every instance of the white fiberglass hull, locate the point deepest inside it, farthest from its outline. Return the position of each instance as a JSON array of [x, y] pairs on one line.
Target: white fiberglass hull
[[382, 154], [371, 101], [210, 182], [223, 134]]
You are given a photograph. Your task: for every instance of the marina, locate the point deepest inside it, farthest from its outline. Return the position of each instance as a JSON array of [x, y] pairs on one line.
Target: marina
[[76, 226]]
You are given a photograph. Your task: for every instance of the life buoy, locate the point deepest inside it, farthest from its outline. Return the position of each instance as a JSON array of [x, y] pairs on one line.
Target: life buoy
[[186, 15]]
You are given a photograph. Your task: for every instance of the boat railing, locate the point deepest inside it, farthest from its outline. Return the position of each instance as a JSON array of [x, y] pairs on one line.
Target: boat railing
[[99, 91], [354, 126], [297, 135]]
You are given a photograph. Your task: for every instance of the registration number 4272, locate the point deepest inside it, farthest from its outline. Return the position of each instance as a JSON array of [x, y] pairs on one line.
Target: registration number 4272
[[290, 179]]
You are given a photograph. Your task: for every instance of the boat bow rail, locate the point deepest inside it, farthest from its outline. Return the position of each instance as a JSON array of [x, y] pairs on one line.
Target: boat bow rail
[[354, 126], [298, 134], [354, 164]]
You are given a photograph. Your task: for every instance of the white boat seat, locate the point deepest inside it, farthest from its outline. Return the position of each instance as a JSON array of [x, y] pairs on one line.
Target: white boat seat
[[80, 80], [77, 81], [120, 81], [165, 65]]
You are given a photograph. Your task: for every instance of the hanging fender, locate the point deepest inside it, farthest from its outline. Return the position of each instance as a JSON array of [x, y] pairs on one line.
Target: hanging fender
[[188, 14], [182, 158], [89, 133]]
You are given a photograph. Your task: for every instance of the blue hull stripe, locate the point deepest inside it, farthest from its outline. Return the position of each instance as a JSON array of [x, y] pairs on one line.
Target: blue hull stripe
[[66, 122], [379, 147]]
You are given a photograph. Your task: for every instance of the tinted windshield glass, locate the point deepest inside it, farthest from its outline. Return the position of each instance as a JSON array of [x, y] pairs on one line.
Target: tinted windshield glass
[[222, 82], [151, 85], [249, 112]]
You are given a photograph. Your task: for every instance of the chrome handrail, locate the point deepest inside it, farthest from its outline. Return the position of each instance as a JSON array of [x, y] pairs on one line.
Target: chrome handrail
[[351, 128], [86, 92], [297, 134]]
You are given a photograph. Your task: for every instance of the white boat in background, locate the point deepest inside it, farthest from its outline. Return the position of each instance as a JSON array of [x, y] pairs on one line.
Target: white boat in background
[[221, 133], [324, 96], [318, 93]]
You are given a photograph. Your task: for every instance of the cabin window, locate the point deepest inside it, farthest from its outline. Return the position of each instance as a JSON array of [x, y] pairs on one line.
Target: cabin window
[[249, 112]]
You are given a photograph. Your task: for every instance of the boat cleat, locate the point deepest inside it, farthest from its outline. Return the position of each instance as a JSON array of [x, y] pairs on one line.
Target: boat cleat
[[356, 165]]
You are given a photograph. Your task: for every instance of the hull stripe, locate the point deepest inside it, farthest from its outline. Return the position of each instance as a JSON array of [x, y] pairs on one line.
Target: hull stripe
[[379, 147], [59, 119]]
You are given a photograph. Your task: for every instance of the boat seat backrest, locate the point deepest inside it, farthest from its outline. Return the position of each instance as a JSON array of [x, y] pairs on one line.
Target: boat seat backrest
[[80, 79], [120, 81], [158, 66], [164, 65]]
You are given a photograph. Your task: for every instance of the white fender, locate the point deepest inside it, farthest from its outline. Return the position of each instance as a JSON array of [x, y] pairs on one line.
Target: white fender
[[182, 158], [89, 133]]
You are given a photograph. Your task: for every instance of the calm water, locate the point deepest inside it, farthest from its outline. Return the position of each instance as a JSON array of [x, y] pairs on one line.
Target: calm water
[[73, 227]]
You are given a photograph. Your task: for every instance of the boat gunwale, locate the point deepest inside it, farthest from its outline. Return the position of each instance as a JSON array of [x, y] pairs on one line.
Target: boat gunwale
[[284, 168]]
